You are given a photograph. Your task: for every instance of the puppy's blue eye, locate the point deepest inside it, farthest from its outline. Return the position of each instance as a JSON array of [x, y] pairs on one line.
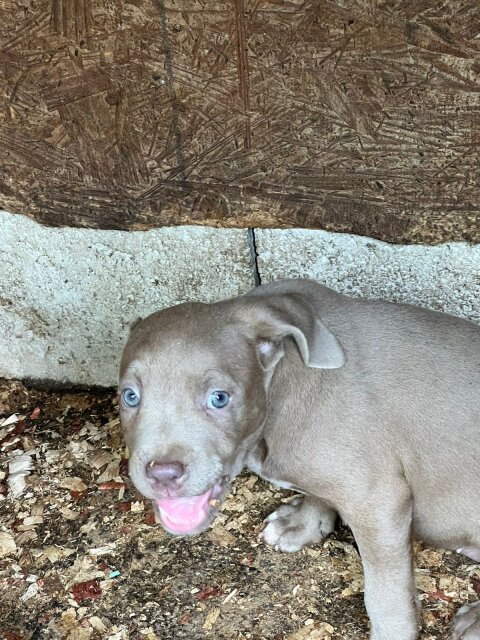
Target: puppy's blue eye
[[218, 400], [130, 398]]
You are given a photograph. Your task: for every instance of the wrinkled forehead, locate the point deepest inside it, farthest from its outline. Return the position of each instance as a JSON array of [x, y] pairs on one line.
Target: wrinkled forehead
[[178, 358], [179, 346]]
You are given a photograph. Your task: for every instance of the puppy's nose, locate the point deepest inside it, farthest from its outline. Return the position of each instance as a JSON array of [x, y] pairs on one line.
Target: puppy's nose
[[164, 473]]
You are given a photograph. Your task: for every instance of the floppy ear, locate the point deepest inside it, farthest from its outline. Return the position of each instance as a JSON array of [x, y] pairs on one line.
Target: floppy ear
[[277, 316]]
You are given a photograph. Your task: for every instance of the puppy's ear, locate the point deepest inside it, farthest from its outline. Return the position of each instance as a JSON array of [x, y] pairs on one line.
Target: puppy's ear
[[269, 352], [273, 317]]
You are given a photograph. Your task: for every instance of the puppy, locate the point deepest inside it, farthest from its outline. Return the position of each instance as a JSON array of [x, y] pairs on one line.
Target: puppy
[[369, 409]]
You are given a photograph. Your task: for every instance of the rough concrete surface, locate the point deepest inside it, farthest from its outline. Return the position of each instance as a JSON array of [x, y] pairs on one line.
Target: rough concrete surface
[[67, 296], [445, 277]]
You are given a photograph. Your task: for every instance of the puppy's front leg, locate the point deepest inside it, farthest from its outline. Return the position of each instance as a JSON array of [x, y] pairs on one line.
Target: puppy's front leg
[[382, 529]]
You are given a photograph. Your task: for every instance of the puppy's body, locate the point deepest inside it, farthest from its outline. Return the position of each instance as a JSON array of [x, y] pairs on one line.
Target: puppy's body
[[370, 409], [405, 408]]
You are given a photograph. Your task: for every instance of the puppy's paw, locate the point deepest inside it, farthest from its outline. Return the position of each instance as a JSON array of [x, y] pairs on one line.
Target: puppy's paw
[[466, 624], [294, 525]]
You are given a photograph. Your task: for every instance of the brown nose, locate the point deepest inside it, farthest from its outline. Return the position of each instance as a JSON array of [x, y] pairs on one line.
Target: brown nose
[[164, 474]]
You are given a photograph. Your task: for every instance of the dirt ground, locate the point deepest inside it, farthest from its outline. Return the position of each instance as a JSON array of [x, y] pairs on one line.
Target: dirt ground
[[81, 555]]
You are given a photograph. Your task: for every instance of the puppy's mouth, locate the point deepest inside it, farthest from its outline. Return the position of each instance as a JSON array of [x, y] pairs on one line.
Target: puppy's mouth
[[188, 515]]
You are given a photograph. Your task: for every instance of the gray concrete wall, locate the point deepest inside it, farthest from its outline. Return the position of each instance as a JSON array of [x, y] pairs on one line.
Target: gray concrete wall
[[67, 296], [444, 277]]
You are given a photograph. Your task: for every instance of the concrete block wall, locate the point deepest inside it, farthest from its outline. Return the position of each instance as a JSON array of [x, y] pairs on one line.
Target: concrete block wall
[[67, 296]]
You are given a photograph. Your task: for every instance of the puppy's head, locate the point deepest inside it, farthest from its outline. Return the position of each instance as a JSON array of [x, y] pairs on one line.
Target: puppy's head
[[193, 396]]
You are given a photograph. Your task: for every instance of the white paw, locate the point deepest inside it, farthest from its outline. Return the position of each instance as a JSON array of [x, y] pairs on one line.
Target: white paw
[[290, 527], [279, 534]]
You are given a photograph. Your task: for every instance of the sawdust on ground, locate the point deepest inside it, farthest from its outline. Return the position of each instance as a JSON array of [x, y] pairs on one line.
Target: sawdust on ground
[[81, 556]]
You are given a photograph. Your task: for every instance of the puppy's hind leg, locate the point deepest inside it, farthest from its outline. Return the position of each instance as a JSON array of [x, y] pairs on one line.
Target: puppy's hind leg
[[304, 521], [466, 624]]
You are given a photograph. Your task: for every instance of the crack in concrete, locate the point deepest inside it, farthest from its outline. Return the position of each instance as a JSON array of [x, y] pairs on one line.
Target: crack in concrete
[[252, 246]]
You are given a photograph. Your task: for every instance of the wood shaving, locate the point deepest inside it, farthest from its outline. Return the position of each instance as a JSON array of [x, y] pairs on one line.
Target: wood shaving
[[55, 553], [212, 617], [11, 420], [73, 484], [7, 544], [317, 631], [19, 468], [221, 537], [72, 534]]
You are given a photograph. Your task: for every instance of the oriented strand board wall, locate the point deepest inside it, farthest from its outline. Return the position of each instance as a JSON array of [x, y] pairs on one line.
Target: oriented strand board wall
[[359, 116]]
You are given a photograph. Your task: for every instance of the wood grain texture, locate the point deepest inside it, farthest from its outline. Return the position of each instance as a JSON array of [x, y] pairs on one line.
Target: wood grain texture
[[359, 116]]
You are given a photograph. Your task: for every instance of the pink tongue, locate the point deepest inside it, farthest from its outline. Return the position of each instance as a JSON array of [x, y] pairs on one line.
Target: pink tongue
[[182, 515]]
